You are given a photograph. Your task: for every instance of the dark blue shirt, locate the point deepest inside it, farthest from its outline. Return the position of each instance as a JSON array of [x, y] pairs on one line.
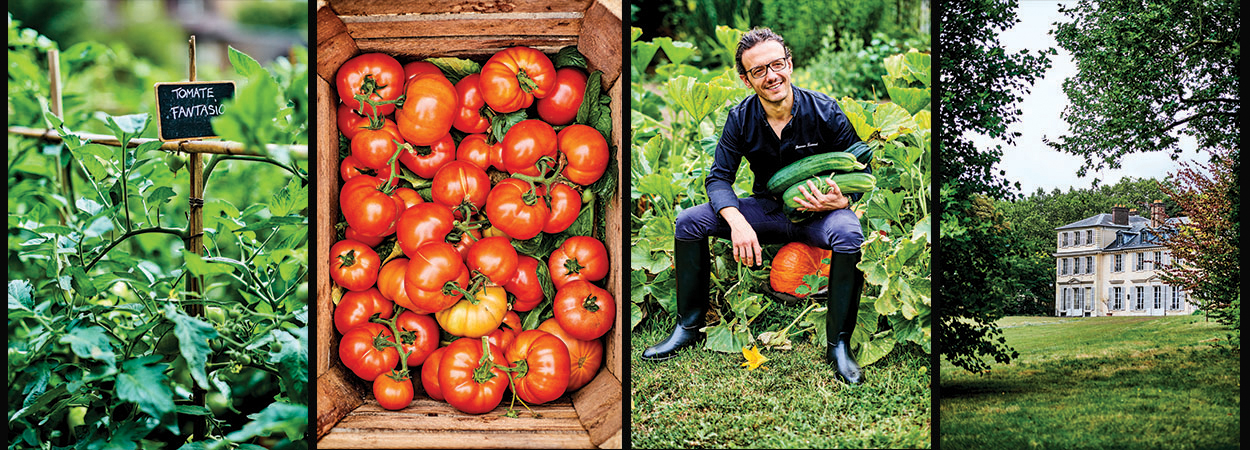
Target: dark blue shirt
[[817, 125]]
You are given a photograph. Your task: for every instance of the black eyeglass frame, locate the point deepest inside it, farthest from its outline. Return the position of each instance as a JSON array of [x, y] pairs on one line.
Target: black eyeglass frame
[[785, 60]]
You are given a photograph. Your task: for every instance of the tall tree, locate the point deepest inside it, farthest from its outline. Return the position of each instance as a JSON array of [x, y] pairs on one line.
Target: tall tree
[[1207, 245], [981, 83], [1148, 73]]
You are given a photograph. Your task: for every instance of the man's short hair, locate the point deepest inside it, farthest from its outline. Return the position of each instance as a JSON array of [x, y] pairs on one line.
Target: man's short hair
[[755, 37]]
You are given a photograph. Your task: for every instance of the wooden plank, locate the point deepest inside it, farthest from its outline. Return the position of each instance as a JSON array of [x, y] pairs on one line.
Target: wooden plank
[[485, 440], [599, 406], [446, 25], [364, 7], [600, 39], [327, 206], [471, 47], [338, 395], [430, 423], [334, 44], [614, 344]]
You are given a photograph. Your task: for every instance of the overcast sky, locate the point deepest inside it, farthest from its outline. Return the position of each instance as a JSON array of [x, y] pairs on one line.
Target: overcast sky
[[1031, 161]]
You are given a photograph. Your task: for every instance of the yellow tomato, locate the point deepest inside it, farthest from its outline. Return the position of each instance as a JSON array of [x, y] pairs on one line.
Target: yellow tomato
[[475, 317]]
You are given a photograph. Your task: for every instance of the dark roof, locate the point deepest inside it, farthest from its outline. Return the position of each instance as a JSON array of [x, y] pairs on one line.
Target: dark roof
[[1101, 220], [1140, 235]]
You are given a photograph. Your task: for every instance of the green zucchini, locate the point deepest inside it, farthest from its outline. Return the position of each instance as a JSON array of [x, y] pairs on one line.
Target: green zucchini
[[820, 163], [861, 151], [848, 183]]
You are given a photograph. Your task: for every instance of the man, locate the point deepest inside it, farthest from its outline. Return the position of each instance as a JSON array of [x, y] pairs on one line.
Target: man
[[776, 126]]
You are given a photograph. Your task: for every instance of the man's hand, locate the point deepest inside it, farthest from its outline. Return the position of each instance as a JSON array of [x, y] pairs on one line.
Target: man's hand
[[815, 200], [746, 244]]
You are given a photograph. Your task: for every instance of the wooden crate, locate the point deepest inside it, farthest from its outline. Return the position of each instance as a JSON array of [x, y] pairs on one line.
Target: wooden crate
[[347, 414]]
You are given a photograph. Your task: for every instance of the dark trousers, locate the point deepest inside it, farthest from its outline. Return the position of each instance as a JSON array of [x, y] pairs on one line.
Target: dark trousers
[[838, 230]]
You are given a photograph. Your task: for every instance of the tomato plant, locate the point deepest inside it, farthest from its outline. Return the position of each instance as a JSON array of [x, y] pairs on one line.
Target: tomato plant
[[129, 327]]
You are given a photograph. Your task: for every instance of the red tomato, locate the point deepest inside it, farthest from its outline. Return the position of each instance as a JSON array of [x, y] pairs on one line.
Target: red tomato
[[460, 185], [578, 258], [544, 362], [412, 69], [584, 310], [352, 168], [377, 75], [474, 149], [423, 223], [429, 374], [560, 107], [393, 393], [431, 270], [430, 106], [466, 383], [586, 152], [476, 315], [418, 334], [512, 208], [503, 336], [371, 241], [469, 119], [425, 160], [374, 148], [525, 285], [406, 197], [496, 156], [525, 143], [360, 352], [512, 78], [512, 320], [565, 205], [585, 357], [391, 282], [356, 307], [366, 208], [350, 122], [353, 265], [494, 257]]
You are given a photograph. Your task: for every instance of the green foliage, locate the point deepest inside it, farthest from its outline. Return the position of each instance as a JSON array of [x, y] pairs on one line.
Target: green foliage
[[978, 99], [101, 318], [1148, 73], [674, 139]]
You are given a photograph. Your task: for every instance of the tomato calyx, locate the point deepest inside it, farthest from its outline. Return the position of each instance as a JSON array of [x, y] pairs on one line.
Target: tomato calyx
[[591, 303], [347, 259], [373, 104], [527, 84], [573, 266], [485, 366]]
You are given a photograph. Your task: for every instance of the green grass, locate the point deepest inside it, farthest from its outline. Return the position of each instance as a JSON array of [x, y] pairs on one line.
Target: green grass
[[1104, 382], [707, 399]]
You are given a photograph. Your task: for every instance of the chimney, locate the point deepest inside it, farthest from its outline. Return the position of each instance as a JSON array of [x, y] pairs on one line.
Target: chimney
[[1157, 217], [1119, 215], [1132, 212]]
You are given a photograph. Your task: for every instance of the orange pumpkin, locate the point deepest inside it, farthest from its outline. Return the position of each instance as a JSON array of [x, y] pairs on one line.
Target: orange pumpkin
[[794, 261]]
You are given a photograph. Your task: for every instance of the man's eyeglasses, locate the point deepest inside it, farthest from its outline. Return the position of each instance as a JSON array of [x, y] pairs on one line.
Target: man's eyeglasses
[[777, 65]]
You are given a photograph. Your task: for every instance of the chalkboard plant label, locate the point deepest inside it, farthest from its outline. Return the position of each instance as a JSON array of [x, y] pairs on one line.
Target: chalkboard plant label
[[186, 109]]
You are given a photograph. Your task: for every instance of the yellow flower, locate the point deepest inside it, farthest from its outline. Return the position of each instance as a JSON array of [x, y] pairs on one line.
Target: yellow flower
[[754, 358]]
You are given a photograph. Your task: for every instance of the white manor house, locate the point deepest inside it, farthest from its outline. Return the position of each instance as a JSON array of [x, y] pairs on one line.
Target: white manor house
[[1111, 264]]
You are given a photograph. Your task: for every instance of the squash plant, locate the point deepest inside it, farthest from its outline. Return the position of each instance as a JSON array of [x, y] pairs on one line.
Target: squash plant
[[107, 346], [677, 118]]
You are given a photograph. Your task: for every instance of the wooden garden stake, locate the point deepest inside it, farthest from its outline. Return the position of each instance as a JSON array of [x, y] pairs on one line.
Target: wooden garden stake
[[195, 243], [54, 104]]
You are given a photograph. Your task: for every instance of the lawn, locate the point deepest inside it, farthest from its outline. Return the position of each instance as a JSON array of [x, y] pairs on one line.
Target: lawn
[[707, 399], [1103, 382]]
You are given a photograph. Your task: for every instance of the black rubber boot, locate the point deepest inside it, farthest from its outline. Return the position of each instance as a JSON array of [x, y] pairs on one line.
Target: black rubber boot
[[693, 269], [846, 282]]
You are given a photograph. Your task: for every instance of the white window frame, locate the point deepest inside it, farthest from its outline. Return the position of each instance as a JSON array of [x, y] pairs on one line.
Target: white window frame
[[1088, 298], [1089, 264], [1140, 292], [1089, 237], [1118, 262], [1117, 297]]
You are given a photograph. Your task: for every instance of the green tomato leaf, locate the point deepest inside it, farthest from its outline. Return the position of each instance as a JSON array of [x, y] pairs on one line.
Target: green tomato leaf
[[277, 417], [20, 295], [569, 57], [92, 343], [244, 64], [198, 266], [143, 382], [291, 359], [193, 336]]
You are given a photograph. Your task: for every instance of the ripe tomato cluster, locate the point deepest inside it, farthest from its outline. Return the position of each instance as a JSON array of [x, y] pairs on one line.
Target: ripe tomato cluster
[[425, 180]]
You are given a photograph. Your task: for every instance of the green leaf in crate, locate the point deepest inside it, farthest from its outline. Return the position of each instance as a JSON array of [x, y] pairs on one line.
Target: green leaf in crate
[[569, 57], [456, 68]]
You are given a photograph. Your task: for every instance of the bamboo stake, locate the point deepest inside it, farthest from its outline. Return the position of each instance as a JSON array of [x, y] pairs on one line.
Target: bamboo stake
[[195, 242], [54, 100], [189, 147]]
